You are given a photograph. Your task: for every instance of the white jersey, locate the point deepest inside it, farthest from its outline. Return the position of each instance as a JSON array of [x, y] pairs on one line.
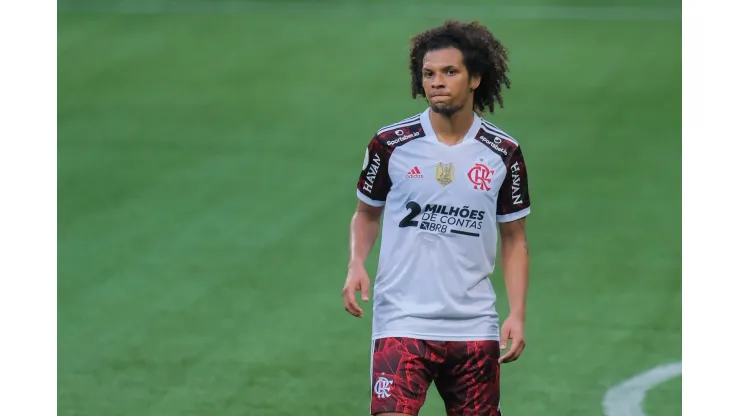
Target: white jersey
[[439, 235]]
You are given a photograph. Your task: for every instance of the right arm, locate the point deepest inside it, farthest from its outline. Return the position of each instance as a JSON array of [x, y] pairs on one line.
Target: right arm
[[363, 232], [373, 186]]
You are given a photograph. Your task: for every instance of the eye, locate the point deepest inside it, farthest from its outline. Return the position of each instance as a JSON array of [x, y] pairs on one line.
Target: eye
[[451, 72]]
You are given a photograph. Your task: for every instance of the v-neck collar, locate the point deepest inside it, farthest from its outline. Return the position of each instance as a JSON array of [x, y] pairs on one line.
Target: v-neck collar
[[426, 124]]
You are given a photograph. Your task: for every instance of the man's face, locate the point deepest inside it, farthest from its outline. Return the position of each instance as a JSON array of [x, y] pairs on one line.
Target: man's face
[[447, 84]]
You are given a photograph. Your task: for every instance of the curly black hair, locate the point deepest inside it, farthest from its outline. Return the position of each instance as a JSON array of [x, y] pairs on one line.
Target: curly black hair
[[483, 55]]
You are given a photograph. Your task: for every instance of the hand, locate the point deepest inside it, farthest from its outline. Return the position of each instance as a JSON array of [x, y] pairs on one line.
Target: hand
[[357, 279], [513, 328]]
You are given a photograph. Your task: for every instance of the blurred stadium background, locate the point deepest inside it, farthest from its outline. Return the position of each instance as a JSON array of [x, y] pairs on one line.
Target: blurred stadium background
[[208, 154]]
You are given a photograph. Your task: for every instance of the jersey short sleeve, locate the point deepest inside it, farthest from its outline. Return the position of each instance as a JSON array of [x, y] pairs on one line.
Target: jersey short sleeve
[[374, 182], [513, 197]]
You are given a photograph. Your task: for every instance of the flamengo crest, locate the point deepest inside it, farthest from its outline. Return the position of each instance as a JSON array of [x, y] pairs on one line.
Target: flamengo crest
[[480, 175], [383, 388]]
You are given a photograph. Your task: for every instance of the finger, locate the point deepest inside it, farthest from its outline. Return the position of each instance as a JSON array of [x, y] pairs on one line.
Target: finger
[[512, 353], [365, 289], [505, 333], [353, 307], [519, 351], [516, 349], [507, 357], [353, 310], [350, 304]]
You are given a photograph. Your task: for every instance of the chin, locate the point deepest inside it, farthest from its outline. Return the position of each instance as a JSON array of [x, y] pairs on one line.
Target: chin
[[443, 109]]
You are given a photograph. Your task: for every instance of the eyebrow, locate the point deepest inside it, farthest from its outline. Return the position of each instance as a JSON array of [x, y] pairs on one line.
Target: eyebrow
[[444, 68]]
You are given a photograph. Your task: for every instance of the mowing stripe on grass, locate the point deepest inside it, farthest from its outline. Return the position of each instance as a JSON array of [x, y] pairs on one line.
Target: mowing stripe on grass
[[617, 13]]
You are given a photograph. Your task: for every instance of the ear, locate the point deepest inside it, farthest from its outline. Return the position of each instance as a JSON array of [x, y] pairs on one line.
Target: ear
[[474, 82]]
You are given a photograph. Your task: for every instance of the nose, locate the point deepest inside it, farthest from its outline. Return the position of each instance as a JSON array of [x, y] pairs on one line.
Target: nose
[[438, 81]]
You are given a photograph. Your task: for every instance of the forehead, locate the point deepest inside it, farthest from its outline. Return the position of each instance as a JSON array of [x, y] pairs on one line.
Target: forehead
[[440, 58]]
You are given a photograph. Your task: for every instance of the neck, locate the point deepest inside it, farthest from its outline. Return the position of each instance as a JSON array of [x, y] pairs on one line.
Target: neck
[[451, 129]]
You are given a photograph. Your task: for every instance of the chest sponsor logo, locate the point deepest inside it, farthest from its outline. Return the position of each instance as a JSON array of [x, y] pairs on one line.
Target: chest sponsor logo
[[480, 176], [444, 219], [445, 173]]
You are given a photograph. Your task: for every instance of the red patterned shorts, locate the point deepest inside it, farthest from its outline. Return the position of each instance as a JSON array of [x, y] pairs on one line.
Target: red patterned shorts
[[466, 374]]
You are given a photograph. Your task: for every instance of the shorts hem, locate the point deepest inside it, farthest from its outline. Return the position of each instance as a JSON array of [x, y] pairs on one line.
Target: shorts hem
[[398, 409], [433, 337]]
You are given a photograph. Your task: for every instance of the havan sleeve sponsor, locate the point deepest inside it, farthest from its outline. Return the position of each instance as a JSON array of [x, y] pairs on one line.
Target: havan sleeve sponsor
[[513, 197], [374, 182]]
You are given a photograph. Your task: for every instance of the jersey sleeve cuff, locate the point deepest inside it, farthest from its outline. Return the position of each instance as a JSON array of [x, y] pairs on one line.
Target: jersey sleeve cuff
[[364, 198], [513, 216]]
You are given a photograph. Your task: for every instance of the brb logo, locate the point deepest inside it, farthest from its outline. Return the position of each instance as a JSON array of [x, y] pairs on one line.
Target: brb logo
[[480, 175], [383, 388]]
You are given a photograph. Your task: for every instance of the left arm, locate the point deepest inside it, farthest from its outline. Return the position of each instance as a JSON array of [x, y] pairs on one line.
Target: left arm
[[515, 267], [511, 213]]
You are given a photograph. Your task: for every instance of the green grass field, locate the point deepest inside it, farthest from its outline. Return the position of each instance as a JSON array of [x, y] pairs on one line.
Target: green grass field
[[208, 154]]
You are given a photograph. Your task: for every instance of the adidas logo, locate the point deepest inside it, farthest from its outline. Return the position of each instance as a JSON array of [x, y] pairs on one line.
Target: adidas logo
[[414, 173]]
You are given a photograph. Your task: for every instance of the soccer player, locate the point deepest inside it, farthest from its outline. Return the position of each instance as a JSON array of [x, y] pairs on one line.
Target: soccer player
[[443, 181]]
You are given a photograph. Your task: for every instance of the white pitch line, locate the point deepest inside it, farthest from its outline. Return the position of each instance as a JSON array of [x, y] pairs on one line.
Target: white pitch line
[[625, 399]]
